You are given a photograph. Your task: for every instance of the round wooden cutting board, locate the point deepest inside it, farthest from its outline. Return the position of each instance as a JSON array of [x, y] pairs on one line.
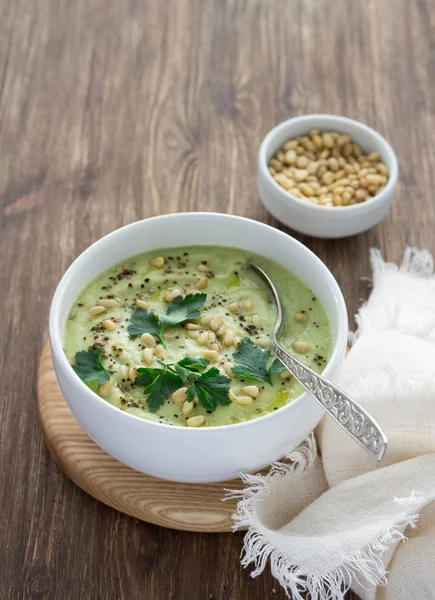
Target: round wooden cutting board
[[191, 507]]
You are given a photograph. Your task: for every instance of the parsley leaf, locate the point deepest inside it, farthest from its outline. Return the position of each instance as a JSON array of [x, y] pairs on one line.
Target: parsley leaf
[[193, 363], [178, 311], [211, 389], [147, 376], [182, 309], [89, 368], [189, 367], [162, 387], [143, 321], [251, 362]]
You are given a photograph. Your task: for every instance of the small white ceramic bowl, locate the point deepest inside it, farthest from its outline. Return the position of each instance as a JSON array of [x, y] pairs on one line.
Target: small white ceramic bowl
[[312, 219], [181, 453]]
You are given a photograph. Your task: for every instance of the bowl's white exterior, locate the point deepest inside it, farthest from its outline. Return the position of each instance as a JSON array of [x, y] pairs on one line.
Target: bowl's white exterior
[[180, 453], [312, 219]]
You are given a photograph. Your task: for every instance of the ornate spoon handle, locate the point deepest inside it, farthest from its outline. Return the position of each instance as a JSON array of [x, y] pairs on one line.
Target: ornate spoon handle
[[345, 411]]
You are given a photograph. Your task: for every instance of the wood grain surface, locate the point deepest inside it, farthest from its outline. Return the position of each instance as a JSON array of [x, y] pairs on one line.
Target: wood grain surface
[[188, 507], [112, 111]]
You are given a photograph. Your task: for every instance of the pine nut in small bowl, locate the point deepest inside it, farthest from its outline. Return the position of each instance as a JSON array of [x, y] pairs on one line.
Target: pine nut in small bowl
[[326, 176]]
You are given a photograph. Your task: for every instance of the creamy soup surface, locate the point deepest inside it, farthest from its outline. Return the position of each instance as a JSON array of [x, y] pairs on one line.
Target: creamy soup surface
[[232, 327]]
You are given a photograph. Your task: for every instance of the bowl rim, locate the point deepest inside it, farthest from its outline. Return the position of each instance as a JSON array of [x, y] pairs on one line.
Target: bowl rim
[[334, 119], [55, 335]]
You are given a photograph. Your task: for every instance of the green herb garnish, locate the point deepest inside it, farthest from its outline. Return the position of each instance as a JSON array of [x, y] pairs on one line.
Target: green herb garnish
[[177, 312], [159, 385], [210, 387], [251, 362], [89, 368]]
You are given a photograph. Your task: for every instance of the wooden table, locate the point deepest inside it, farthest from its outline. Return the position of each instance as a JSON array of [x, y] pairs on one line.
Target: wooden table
[[114, 111]]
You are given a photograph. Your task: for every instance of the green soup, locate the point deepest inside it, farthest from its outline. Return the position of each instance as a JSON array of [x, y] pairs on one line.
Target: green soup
[[237, 311]]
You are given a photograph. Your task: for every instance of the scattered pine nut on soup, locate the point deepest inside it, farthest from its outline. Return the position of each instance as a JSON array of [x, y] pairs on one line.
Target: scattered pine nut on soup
[[182, 336]]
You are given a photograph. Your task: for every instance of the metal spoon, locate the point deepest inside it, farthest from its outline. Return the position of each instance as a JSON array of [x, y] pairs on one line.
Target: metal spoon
[[341, 407]]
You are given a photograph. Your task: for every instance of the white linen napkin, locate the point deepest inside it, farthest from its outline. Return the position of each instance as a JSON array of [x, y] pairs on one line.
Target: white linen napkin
[[327, 524]]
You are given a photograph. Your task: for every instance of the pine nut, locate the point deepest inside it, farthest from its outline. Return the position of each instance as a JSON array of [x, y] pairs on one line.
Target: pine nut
[[374, 156], [318, 142], [328, 178], [196, 421], [227, 368], [233, 307], [106, 388], [250, 390], [333, 164], [109, 325], [158, 262], [211, 337], [205, 320], [275, 164], [306, 189], [256, 320], [170, 333], [215, 323], [211, 355], [228, 338], [300, 174], [302, 162], [282, 180], [220, 332], [180, 395], [356, 150], [328, 140], [301, 317], [148, 356], [192, 326], [244, 400], [248, 304], [263, 341], [194, 335], [132, 374], [361, 194], [312, 167], [96, 310], [202, 283], [123, 372], [285, 374], [308, 144], [202, 268], [232, 396], [290, 145], [203, 338], [108, 302], [378, 179], [187, 407], [159, 351], [148, 340], [142, 304], [301, 347], [215, 347], [290, 157], [171, 294]]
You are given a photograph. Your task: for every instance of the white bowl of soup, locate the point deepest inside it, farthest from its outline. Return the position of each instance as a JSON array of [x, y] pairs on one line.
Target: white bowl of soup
[[161, 341]]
